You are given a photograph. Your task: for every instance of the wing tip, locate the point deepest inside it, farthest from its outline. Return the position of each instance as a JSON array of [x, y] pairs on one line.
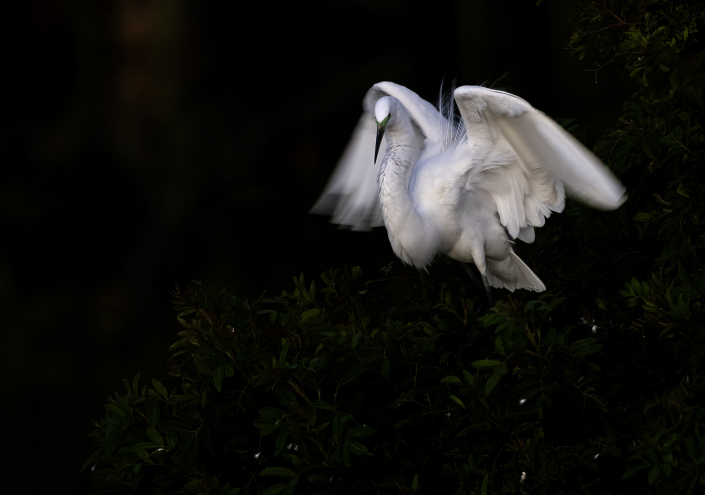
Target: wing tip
[[603, 200], [619, 202]]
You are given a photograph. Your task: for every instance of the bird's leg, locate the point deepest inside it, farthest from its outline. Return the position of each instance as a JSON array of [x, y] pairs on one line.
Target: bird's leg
[[487, 289], [472, 275], [485, 283]]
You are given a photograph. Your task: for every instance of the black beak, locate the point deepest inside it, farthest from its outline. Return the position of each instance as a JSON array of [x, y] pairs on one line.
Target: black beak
[[380, 134]]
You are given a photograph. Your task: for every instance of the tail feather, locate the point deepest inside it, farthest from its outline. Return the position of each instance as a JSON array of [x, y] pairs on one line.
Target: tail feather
[[525, 278]]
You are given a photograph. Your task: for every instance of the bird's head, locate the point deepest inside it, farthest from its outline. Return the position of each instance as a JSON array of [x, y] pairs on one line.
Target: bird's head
[[383, 112]]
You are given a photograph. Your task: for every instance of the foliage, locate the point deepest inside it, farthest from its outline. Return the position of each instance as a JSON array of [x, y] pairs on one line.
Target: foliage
[[412, 383]]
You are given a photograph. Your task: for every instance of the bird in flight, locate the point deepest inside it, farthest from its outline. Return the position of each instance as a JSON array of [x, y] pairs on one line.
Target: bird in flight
[[464, 187]]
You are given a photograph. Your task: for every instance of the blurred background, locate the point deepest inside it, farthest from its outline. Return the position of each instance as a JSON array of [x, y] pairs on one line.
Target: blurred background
[[145, 143]]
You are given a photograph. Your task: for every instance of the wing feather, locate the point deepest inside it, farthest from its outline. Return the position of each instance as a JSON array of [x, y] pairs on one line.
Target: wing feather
[[351, 195], [531, 159]]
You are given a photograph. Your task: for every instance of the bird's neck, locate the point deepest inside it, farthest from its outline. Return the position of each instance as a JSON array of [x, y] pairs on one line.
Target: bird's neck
[[403, 222]]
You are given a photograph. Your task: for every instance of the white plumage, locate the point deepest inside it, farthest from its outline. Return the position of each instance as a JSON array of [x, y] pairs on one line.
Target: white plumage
[[465, 189]]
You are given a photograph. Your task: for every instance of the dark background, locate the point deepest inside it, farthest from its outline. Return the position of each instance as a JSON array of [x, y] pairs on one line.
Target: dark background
[[144, 143]]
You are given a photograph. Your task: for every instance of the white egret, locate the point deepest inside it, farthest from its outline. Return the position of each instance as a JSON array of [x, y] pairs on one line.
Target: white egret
[[464, 188]]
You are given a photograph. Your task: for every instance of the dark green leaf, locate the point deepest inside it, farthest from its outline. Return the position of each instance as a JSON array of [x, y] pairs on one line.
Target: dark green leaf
[[281, 441], [324, 405], [492, 381], [155, 436], [275, 489], [654, 473], [282, 356], [153, 415], [93, 458], [357, 448], [486, 364], [311, 313], [218, 377], [346, 454], [271, 413], [630, 472], [451, 379], [281, 472], [201, 364], [161, 390], [319, 479], [114, 409], [337, 429]]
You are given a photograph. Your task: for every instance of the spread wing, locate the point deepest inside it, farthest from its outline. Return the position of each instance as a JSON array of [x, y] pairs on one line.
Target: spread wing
[[351, 195], [524, 160]]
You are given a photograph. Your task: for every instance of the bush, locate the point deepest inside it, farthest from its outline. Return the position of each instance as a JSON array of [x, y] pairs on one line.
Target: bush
[[403, 384]]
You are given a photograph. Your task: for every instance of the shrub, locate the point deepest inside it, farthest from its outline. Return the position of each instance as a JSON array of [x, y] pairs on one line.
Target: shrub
[[410, 383]]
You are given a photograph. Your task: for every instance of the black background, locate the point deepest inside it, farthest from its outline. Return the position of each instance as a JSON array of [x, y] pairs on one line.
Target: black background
[[148, 143]]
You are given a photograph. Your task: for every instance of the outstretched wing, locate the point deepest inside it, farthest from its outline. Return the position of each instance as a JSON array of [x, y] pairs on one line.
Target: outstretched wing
[[351, 195], [525, 159]]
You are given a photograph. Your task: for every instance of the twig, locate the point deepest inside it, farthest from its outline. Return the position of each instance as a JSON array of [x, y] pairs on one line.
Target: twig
[[621, 21]]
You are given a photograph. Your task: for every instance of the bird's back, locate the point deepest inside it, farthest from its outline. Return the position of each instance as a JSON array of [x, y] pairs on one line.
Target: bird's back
[[437, 189]]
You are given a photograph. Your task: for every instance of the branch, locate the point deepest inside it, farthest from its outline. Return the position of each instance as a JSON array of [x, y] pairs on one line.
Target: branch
[[613, 25], [621, 21]]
